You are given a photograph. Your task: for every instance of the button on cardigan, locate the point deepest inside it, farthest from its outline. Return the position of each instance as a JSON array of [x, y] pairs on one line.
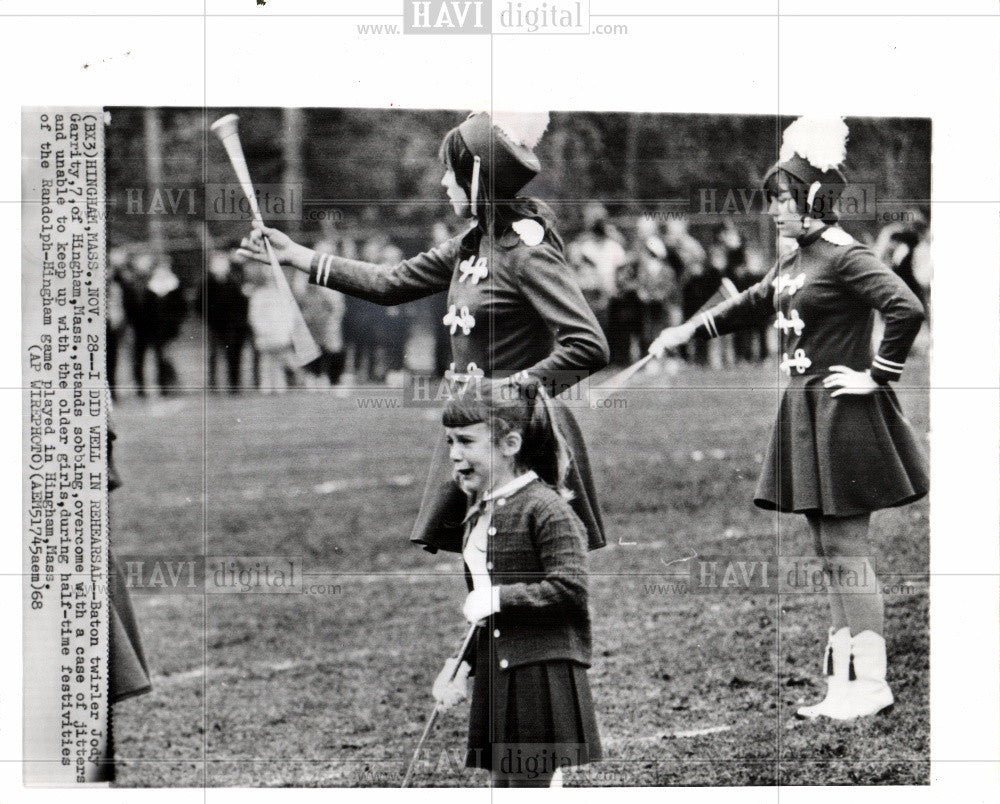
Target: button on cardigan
[[538, 555]]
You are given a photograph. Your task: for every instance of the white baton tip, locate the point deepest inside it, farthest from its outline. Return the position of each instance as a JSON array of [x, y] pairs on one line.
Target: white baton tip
[[225, 124]]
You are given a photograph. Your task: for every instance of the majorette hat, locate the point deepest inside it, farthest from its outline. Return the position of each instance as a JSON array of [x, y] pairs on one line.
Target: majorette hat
[[812, 150], [502, 149]]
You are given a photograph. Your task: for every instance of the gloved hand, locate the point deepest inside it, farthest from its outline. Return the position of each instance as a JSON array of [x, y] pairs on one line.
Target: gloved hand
[[848, 381], [447, 691], [671, 338], [287, 251], [481, 603]]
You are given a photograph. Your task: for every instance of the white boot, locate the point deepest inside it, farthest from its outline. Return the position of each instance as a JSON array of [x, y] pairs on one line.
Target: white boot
[[868, 693], [836, 664]]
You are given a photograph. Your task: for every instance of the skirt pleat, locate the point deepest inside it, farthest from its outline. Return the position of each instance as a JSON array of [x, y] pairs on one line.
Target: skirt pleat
[[535, 716], [840, 457]]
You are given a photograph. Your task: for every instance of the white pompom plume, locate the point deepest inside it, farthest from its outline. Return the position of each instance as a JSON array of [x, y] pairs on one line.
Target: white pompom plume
[[524, 128], [821, 141]]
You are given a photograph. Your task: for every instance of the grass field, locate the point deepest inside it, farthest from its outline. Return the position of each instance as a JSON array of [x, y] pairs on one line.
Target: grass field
[[332, 687]]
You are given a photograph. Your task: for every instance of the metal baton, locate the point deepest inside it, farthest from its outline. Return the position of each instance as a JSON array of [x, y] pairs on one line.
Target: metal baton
[[463, 651]]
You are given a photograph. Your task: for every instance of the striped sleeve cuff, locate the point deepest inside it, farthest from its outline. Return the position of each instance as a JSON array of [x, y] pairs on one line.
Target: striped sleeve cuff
[[706, 326], [884, 370], [319, 269]]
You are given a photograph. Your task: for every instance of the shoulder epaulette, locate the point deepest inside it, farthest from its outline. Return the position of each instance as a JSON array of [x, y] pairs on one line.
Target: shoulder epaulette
[[837, 236], [530, 231]]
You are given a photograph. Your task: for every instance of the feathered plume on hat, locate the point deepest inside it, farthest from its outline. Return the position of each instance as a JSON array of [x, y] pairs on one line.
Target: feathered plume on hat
[[523, 128], [821, 141], [502, 143], [812, 150]]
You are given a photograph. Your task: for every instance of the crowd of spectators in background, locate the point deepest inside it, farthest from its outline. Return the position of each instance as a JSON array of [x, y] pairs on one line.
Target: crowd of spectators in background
[[658, 276], [639, 274]]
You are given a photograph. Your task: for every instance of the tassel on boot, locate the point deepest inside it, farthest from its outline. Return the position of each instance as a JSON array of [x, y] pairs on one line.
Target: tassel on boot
[[836, 667]]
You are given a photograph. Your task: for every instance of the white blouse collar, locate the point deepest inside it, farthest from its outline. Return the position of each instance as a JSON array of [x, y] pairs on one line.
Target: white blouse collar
[[507, 489]]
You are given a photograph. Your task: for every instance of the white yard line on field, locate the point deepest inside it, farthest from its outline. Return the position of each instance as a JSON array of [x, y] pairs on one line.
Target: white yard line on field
[[328, 487], [699, 732], [618, 742], [256, 670]]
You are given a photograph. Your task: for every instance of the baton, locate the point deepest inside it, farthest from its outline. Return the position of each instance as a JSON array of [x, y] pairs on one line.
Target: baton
[[727, 290], [462, 653], [303, 344], [622, 377]]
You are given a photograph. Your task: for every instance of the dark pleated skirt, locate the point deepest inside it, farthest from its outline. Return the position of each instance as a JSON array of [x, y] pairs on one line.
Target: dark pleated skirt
[[442, 510], [530, 719], [840, 457]]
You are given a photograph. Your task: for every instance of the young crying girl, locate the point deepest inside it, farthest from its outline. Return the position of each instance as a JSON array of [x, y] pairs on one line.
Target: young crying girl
[[524, 550]]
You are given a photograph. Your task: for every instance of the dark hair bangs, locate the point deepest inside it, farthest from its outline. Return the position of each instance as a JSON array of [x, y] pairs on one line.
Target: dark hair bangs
[[777, 182], [465, 409]]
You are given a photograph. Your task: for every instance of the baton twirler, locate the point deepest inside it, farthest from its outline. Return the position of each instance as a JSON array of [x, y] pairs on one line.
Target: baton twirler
[[463, 652], [305, 348]]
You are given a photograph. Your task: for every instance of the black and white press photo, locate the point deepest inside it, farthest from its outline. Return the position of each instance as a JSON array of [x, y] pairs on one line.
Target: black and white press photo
[[404, 391], [482, 395]]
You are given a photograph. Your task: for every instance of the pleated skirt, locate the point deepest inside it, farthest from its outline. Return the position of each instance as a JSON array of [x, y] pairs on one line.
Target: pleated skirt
[[840, 457], [530, 719]]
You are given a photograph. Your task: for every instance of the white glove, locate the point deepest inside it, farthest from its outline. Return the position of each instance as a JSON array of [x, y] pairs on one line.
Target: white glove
[[671, 338], [849, 381], [447, 691], [481, 603]]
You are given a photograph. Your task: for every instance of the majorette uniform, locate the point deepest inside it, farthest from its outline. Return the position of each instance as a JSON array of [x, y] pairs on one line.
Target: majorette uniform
[[513, 306], [835, 456]]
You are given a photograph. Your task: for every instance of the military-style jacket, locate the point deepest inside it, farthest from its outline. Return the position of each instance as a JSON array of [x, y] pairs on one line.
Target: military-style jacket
[[825, 294], [513, 304]]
